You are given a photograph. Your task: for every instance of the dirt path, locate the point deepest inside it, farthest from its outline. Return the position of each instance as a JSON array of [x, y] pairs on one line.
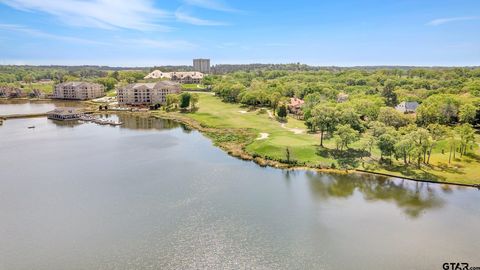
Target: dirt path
[[294, 130]]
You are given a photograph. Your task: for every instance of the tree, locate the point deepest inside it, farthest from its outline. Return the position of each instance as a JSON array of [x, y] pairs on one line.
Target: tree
[[28, 78], [386, 144], [184, 100], [115, 75], [389, 94], [346, 135], [274, 99], [287, 155], [391, 117], [377, 128], [107, 82], [423, 142], [348, 116], [325, 119], [404, 148], [437, 132], [172, 100], [467, 137], [467, 114], [452, 142], [369, 143], [441, 109], [282, 111], [194, 100]]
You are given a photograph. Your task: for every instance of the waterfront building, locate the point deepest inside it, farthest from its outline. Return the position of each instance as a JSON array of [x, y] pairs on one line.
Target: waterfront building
[[64, 114], [147, 93], [202, 65], [78, 90], [407, 107], [11, 92]]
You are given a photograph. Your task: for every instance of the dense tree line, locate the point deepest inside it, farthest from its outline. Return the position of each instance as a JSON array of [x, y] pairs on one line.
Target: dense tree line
[[349, 105]]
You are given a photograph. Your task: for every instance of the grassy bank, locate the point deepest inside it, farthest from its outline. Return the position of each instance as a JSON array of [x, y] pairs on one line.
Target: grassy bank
[[256, 134]]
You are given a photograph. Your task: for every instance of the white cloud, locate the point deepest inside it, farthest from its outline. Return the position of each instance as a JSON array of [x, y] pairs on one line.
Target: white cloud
[[160, 44], [37, 33], [441, 21], [211, 4], [183, 16], [108, 14], [138, 43]]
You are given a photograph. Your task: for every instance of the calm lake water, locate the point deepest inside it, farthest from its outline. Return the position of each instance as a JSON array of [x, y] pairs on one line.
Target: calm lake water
[[18, 106], [154, 195]]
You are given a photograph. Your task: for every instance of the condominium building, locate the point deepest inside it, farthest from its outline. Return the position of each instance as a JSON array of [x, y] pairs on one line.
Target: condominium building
[[11, 92], [189, 77], [78, 90], [202, 65], [147, 93]]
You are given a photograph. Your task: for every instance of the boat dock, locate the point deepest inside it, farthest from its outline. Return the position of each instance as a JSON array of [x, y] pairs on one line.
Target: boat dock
[[90, 118]]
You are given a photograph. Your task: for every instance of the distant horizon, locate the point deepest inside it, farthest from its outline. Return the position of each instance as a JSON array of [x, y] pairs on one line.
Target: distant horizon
[[252, 63]]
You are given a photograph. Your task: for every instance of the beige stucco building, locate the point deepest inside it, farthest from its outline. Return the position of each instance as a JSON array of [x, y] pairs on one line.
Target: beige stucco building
[[185, 77], [147, 93], [78, 90]]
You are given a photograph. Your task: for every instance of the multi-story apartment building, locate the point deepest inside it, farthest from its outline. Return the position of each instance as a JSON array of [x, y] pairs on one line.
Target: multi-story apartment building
[[11, 92], [202, 65], [187, 77], [78, 90], [147, 93]]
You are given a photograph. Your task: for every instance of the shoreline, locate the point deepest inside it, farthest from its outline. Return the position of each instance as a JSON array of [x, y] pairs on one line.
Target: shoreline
[[263, 162], [238, 150]]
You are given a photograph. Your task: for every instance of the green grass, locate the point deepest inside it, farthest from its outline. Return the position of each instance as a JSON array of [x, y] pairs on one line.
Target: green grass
[[111, 93], [305, 148], [193, 86], [47, 88]]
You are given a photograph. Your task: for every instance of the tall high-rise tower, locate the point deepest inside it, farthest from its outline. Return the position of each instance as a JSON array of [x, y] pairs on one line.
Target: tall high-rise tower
[[202, 65]]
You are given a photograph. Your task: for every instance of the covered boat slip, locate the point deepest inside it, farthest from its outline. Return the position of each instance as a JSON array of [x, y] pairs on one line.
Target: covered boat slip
[[65, 114]]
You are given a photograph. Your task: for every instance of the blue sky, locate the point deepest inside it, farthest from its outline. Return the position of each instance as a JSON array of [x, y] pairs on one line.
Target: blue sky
[[316, 32]]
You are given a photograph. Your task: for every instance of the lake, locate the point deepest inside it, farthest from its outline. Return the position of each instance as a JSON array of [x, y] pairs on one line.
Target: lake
[[153, 194], [19, 106]]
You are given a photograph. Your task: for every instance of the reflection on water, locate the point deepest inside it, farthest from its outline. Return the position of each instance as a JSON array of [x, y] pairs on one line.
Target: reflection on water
[[70, 123], [414, 198], [139, 122], [129, 121]]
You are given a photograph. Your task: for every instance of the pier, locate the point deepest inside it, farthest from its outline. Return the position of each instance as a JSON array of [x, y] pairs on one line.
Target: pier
[[90, 118]]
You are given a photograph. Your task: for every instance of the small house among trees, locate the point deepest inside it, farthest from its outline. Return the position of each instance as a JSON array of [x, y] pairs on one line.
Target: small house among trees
[[295, 105], [407, 107]]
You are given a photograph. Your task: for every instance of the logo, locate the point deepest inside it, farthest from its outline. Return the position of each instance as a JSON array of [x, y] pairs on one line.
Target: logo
[[458, 266]]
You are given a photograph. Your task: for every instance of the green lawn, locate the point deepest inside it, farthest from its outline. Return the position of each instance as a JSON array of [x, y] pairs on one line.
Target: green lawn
[[47, 88], [193, 86], [305, 147]]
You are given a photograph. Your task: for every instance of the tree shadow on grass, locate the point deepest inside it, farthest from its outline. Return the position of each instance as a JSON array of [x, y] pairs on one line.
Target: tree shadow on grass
[[407, 171], [347, 159], [473, 156], [444, 167], [338, 154]]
